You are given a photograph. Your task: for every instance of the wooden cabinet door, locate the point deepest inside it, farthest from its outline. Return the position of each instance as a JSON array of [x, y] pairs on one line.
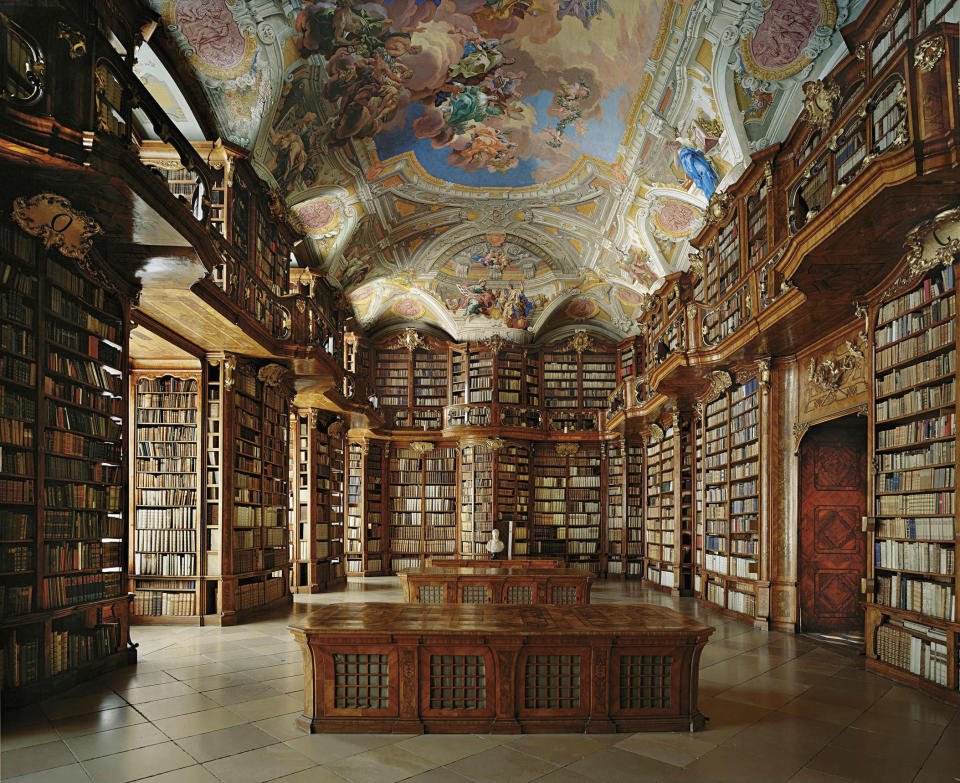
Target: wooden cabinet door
[[833, 498]]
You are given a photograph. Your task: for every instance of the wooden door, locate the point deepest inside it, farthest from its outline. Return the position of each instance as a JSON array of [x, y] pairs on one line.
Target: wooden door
[[833, 498]]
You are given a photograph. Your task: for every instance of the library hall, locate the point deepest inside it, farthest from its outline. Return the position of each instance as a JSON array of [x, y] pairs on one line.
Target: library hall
[[479, 391]]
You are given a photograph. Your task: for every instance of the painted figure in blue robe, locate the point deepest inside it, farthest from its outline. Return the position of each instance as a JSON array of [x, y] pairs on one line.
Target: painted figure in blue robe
[[698, 168]]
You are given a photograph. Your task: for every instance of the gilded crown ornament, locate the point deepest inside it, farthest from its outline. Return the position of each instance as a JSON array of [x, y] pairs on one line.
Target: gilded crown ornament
[[409, 340]]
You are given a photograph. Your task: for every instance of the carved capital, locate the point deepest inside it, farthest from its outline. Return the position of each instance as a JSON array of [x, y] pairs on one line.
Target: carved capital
[[656, 433], [696, 263], [763, 372], [799, 430]]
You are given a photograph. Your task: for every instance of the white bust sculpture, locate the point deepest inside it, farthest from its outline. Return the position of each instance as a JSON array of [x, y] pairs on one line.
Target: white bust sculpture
[[495, 545]]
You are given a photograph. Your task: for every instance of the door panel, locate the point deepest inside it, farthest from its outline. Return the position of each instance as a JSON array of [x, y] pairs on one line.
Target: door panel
[[833, 498]]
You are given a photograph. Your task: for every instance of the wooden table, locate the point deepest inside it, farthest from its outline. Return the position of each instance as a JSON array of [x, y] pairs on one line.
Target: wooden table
[[510, 585], [456, 668], [517, 562]]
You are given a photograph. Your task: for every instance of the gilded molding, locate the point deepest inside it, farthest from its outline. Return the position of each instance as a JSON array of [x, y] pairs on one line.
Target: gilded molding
[[831, 376], [421, 447], [567, 449]]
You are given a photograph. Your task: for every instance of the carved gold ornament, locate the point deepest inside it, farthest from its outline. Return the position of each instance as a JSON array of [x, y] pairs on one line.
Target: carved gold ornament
[[829, 376], [410, 340], [929, 53], [712, 126], [421, 447], [580, 341], [718, 207], [76, 42], [495, 343], [768, 174], [934, 242], [274, 375], [494, 444], [567, 449], [763, 373], [799, 430], [720, 381], [696, 263], [656, 433], [648, 302], [820, 102], [55, 221]]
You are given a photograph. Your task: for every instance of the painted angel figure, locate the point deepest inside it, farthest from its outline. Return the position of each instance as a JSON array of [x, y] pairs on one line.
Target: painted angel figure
[[584, 10], [696, 166], [475, 299]]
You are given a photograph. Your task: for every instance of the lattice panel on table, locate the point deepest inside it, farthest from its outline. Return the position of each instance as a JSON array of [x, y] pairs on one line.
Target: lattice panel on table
[[474, 594], [519, 594], [564, 594], [458, 682], [645, 681], [552, 682], [361, 681], [430, 594]]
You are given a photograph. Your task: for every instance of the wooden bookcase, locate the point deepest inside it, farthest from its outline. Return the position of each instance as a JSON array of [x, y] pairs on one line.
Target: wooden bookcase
[[64, 608], [731, 498], [477, 499], [316, 527], [247, 488], [616, 499], [568, 510], [911, 620], [165, 521], [636, 482], [364, 533], [422, 503], [661, 534]]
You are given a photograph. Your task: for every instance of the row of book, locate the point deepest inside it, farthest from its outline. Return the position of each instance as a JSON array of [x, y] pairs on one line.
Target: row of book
[[939, 528], [73, 648], [924, 478], [916, 431], [932, 454], [912, 653], [155, 603], [917, 400], [920, 372], [915, 556], [934, 599]]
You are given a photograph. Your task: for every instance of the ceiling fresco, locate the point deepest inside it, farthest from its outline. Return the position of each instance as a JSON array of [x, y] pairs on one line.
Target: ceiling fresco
[[504, 166]]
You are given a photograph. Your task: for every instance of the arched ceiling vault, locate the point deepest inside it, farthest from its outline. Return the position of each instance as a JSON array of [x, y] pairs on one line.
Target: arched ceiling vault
[[500, 166]]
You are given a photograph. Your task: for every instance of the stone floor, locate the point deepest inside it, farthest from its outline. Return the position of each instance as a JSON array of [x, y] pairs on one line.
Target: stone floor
[[218, 704]]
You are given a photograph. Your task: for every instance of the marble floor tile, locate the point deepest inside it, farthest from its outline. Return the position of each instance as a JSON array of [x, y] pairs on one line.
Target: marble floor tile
[[218, 705]]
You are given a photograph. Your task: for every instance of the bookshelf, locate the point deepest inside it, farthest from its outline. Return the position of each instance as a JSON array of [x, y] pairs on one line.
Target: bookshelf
[[363, 539], [513, 493], [64, 609], [316, 529], [476, 499], [422, 503], [616, 498], [731, 497], [911, 620], [247, 488], [633, 543], [698, 503], [567, 481], [661, 535], [165, 520]]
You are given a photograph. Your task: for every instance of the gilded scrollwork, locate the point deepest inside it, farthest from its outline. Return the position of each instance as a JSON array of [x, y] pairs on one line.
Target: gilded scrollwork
[[833, 378], [820, 102], [927, 248], [929, 53], [409, 340]]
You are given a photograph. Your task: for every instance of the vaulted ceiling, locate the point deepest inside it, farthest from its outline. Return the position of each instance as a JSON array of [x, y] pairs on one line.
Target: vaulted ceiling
[[500, 166]]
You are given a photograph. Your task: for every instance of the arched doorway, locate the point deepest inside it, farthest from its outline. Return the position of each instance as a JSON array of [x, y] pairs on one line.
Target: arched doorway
[[833, 500]]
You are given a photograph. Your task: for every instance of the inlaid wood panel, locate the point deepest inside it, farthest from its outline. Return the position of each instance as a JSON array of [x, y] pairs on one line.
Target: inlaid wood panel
[[833, 495]]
